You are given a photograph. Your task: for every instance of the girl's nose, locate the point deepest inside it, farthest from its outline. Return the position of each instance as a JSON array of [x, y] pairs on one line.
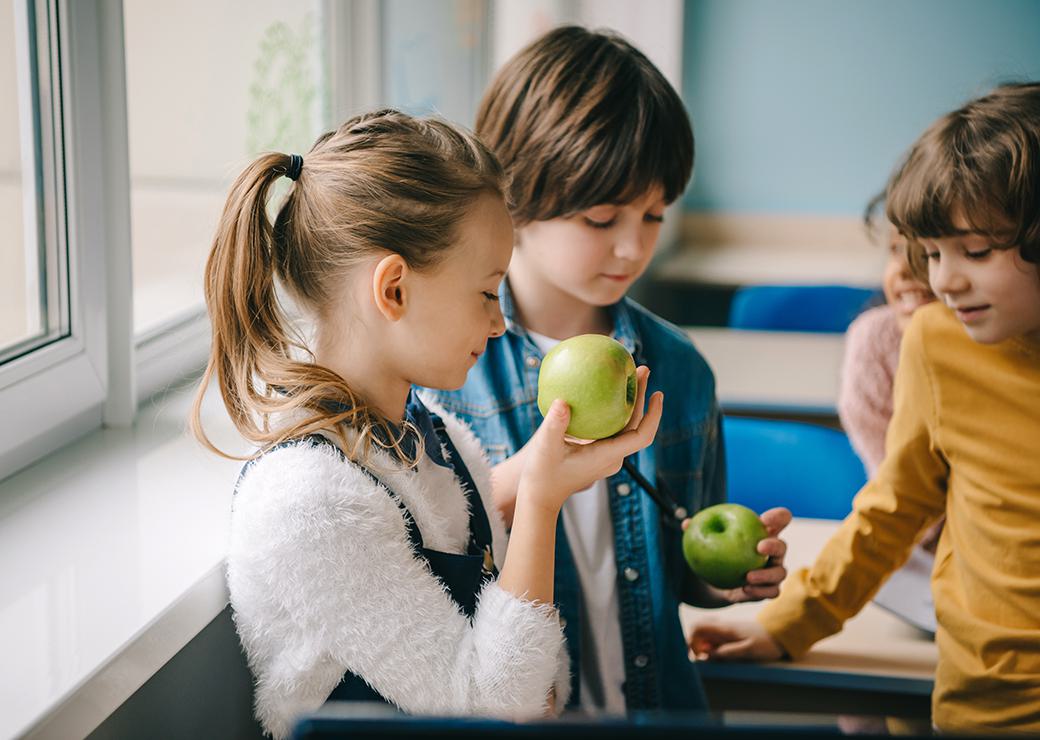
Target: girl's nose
[[498, 322], [905, 273]]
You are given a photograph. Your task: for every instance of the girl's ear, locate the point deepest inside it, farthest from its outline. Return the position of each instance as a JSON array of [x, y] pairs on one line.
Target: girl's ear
[[388, 290]]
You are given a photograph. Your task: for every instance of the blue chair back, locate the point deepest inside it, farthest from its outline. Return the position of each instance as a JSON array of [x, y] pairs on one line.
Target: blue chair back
[[817, 308], [810, 469]]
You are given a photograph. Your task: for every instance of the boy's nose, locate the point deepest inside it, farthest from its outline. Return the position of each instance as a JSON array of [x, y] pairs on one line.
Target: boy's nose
[[628, 246]]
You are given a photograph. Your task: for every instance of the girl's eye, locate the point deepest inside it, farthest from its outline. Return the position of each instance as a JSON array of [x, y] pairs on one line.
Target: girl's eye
[[980, 254], [932, 256], [600, 224], [654, 218], [490, 297]]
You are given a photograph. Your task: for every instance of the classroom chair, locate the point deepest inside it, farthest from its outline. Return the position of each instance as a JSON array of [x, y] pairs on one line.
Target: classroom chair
[[810, 469], [813, 308]]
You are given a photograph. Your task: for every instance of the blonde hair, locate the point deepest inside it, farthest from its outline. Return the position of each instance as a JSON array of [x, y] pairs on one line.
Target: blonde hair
[[382, 182]]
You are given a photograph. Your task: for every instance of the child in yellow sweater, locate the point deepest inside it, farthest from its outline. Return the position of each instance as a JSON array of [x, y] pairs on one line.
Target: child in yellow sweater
[[964, 439]]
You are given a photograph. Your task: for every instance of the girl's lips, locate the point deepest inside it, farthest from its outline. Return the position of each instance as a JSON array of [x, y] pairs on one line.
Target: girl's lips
[[617, 278]]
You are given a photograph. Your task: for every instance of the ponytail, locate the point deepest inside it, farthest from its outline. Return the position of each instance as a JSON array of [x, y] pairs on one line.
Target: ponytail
[[253, 348], [382, 181]]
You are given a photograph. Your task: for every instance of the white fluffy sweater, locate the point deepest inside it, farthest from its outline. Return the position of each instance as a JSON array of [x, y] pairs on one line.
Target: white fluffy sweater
[[323, 580]]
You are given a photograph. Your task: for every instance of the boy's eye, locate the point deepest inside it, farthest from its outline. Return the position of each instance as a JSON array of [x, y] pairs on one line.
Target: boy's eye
[[490, 297], [932, 256], [654, 218], [980, 254], [599, 224]]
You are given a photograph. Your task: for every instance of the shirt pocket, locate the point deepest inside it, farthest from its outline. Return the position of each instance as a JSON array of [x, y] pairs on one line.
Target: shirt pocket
[[680, 465], [488, 418]]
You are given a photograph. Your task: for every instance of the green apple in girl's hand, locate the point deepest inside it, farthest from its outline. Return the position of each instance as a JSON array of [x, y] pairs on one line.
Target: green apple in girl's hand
[[719, 544], [596, 376]]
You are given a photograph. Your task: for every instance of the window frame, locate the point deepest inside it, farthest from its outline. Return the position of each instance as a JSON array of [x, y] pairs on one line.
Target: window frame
[[58, 392], [97, 372]]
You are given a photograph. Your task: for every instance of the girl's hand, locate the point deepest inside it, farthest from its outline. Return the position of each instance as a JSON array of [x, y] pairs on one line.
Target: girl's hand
[[554, 467], [763, 583], [733, 641]]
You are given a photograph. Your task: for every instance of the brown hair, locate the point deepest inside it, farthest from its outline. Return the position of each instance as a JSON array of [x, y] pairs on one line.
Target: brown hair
[[981, 161], [383, 182], [580, 118]]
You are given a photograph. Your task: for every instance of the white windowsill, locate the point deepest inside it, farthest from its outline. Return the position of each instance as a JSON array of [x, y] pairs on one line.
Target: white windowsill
[[112, 553]]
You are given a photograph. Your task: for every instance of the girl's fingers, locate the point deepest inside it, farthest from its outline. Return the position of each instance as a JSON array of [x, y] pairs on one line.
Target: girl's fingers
[[642, 373], [611, 451], [633, 440], [554, 426]]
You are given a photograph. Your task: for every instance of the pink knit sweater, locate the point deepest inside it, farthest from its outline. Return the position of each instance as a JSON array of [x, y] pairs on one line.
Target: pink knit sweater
[[868, 370]]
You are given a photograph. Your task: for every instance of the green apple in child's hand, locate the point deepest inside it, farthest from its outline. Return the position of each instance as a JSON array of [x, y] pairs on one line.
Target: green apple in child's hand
[[720, 544], [596, 376]]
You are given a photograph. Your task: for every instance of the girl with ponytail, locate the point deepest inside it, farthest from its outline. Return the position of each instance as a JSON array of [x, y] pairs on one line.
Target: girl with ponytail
[[365, 546]]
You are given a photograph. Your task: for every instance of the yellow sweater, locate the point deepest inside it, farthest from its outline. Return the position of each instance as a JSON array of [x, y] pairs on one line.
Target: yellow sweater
[[964, 440]]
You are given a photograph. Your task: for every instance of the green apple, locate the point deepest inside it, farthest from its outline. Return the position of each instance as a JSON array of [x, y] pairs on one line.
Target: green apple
[[719, 544], [596, 376]]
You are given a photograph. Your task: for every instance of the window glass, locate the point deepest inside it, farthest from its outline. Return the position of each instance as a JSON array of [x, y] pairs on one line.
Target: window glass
[[209, 86]]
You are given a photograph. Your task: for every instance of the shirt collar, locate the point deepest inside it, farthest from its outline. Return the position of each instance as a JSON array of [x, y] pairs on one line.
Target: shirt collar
[[624, 329], [419, 416]]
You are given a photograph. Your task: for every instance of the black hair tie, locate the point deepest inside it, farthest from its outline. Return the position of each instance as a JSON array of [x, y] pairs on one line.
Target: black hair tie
[[292, 171]]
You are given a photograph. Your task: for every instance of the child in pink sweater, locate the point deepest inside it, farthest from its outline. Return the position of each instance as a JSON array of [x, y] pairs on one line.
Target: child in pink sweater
[[872, 349]]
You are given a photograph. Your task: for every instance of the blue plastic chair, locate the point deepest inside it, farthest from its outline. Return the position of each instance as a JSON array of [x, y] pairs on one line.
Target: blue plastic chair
[[816, 308], [812, 470]]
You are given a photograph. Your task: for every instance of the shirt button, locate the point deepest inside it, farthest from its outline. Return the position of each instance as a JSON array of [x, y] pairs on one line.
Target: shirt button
[[641, 661], [531, 361], [624, 489], [631, 574]]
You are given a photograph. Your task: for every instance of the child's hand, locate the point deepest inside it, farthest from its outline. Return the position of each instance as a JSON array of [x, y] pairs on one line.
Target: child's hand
[[554, 468], [763, 583], [733, 641]]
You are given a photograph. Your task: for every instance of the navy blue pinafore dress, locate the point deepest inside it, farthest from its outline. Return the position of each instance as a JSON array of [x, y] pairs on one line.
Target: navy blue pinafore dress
[[463, 575]]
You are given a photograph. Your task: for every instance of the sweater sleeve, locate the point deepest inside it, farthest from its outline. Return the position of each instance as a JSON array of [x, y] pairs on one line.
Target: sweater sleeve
[[477, 462], [865, 395], [324, 580], [906, 494]]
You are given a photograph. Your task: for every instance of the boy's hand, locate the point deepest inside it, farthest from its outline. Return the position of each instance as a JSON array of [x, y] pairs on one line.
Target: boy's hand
[[733, 641], [763, 583]]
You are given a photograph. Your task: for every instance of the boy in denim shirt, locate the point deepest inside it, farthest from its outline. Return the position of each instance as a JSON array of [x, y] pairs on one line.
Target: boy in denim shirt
[[597, 143]]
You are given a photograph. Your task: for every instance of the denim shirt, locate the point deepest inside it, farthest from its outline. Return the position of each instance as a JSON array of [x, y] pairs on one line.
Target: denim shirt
[[499, 402]]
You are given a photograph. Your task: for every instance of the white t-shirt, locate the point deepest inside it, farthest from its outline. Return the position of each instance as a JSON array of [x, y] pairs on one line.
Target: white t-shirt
[[590, 533]]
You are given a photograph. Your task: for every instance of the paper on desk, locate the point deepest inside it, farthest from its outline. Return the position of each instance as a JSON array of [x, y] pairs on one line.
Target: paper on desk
[[908, 592]]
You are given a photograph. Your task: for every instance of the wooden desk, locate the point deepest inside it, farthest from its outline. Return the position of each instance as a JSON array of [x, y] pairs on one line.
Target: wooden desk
[[773, 372], [774, 264], [877, 664]]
